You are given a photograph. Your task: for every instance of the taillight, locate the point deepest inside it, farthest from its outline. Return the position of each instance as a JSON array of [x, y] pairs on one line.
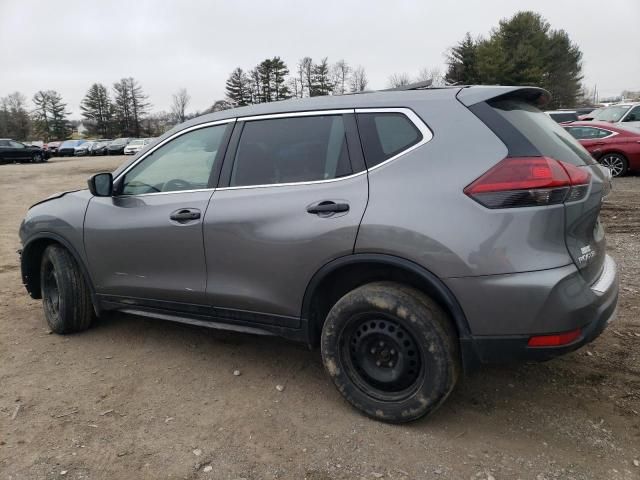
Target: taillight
[[529, 182]]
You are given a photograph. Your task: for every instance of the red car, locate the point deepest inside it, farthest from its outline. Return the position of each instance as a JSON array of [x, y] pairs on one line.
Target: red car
[[615, 147]]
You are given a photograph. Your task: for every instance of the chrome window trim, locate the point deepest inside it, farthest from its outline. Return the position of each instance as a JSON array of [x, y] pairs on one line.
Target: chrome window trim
[[164, 142], [308, 113], [427, 135]]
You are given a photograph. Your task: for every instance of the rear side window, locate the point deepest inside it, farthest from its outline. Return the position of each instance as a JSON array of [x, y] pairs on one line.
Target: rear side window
[[546, 136], [290, 150], [385, 135], [588, 133]]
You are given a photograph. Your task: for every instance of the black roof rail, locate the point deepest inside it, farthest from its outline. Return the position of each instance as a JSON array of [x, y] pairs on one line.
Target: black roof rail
[[411, 86]]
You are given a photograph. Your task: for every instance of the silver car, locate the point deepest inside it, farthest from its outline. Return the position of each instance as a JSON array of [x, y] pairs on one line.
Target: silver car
[[411, 235]]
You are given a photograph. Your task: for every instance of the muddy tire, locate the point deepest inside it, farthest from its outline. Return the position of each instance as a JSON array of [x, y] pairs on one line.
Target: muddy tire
[[66, 297], [391, 351]]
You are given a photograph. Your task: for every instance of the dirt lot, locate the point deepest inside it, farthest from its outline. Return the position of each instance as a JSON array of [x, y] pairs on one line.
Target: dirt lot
[[135, 398]]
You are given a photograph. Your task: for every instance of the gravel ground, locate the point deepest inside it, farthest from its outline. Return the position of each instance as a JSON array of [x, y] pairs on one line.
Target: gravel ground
[[136, 398]]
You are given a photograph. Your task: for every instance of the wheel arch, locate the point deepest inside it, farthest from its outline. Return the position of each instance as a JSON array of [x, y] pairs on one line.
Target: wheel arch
[[343, 274], [31, 259]]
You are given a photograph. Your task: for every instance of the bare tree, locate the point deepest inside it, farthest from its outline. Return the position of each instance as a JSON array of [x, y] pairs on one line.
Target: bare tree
[[341, 71], [398, 80], [433, 74], [179, 105], [305, 68], [359, 80]]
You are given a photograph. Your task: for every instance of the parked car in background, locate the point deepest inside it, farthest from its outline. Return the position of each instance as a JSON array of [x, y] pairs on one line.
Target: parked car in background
[[616, 146], [331, 224], [68, 147], [563, 116], [100, 147], [116, 147], [52, 148], [83, 148], [627, 113], [136, 145], [589, 115], [34, 143], [13, 151]]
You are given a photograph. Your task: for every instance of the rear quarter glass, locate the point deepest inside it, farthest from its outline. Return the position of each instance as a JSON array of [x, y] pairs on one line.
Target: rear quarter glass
[[548, 138]]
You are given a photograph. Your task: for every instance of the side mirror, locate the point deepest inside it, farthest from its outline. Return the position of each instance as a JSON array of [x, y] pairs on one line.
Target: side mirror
[[101, 184]]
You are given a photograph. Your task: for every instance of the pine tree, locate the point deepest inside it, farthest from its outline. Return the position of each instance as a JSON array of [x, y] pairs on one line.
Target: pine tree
[[59, 124], [239, 88], [321, 79], [130, 106], [41, 115], [279, 88], [461, 61], [97, 108]]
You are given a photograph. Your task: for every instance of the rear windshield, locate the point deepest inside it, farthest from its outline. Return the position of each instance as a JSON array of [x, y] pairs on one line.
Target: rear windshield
[[549, 138]]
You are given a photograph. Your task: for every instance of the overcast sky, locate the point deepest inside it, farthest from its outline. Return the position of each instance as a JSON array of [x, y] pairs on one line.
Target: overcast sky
[[67, 45]]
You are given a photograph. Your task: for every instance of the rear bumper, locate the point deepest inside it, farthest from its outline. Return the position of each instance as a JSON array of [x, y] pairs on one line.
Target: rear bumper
[[555, 301]]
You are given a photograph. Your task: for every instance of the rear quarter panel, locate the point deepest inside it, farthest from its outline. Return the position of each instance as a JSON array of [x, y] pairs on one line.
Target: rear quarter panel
[[417, 208]]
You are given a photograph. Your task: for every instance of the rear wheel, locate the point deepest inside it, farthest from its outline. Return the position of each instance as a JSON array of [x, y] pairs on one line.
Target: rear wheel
[[391, 351], [36, 157], [66, 298], [615, 162]]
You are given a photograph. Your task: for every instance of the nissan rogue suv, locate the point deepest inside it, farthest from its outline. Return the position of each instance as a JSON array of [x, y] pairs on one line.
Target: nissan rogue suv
[[409, 234]]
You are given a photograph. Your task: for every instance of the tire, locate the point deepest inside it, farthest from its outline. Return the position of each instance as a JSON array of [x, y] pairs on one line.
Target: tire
[[36, 158], [615, 162], [66, 297], [386, 322]]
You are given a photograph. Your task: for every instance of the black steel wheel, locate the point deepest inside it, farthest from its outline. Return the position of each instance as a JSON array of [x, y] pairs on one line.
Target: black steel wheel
[[382, 356], [66, 298], [391, 351]]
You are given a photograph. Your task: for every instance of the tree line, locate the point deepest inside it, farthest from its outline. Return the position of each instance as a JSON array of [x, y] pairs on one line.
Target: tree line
[[521, 50]]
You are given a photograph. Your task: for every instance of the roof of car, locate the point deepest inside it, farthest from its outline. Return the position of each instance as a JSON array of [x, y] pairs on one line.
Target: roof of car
[[469, 95]]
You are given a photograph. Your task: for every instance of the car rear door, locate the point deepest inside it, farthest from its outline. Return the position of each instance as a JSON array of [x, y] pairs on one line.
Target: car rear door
[[144, 244], [293, 191]]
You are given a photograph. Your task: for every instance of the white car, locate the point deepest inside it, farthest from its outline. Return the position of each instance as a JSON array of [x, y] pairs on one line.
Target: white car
[[136, 145], [627, 113]]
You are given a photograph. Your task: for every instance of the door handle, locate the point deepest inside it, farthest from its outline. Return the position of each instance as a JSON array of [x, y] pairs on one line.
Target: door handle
[[185, 215], [328, 207]]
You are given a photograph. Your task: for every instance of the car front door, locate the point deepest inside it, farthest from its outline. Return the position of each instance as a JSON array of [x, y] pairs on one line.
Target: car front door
[[293, 190], [144, 244], [18, 152]]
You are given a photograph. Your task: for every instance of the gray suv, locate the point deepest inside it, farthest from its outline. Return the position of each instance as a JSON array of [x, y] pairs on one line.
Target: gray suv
[[411, 235]]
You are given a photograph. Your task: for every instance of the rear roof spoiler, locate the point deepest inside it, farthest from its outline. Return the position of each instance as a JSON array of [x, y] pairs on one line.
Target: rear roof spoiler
[[481, 93]]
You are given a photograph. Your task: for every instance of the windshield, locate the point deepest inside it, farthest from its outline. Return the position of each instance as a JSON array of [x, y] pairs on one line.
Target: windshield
[[137, 142], [119, 141], [612, 114]]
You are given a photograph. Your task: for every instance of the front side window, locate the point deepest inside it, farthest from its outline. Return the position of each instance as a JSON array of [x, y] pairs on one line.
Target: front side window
[[385, 135], [290, 150], [185, 163]]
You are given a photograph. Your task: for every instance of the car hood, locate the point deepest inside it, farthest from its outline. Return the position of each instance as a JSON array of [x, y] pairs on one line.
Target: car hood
[[54, 196]]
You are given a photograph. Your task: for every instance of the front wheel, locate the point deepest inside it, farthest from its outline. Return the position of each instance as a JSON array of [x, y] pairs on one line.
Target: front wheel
[[36, 157], [391, 351], [616, 163], [66, 298]]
